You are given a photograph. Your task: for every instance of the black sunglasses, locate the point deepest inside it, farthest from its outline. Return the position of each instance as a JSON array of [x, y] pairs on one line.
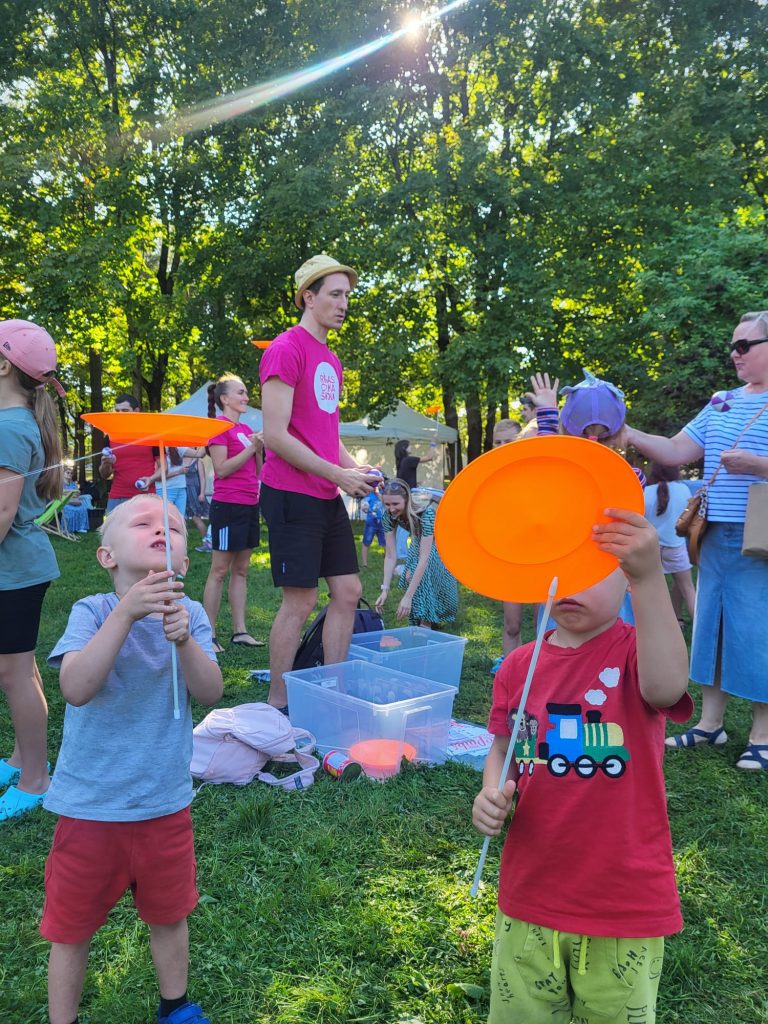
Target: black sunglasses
[[742, 346]]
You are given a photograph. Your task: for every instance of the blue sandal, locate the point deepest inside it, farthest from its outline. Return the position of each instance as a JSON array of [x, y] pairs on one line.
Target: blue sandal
[[15, 802], [697, 738], [754, 758], [189, 1013]]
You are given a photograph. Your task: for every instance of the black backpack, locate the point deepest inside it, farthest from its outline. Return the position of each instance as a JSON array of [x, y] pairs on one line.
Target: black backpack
[[310, 652]]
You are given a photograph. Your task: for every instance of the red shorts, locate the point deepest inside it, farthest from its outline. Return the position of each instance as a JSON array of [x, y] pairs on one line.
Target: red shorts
[[92, 863]]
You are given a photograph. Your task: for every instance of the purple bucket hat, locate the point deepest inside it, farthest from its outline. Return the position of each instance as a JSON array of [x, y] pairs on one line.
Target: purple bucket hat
[[592, 401]]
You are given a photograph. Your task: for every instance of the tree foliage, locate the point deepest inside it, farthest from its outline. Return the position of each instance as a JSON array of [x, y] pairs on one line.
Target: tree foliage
[[522, 185]]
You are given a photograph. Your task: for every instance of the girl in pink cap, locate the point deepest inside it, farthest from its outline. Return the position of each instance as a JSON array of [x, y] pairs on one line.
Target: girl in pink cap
[[30, 477]]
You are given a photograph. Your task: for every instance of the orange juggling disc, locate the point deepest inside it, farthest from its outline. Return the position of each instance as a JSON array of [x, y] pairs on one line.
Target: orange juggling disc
[[154, 428], [523, 513], [260, 344]]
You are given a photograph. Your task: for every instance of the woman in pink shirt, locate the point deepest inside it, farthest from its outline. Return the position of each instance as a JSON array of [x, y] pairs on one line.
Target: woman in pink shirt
[[236, 455]]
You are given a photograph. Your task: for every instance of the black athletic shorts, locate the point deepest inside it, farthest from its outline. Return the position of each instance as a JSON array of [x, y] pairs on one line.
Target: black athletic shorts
[[20, 618], [234, 527], [309, 538]]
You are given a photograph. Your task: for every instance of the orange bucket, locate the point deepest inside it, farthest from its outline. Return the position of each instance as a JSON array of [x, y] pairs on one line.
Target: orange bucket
[[381, 758]]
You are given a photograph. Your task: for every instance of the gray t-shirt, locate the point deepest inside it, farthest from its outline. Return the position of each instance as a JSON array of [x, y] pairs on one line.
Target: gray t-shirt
[[124, 757], [26, 555]]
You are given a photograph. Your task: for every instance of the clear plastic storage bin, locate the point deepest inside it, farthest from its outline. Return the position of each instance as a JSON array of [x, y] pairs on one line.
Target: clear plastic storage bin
[[358, 700], [413, 649]]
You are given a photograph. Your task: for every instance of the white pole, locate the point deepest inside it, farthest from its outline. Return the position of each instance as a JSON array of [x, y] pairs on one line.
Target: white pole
[[169, 567], [518, 719]]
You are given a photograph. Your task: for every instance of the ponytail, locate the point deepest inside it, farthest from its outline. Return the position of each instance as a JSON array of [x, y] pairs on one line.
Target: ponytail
[[662, 476], [662, 497], [50, 481], [175, 456]]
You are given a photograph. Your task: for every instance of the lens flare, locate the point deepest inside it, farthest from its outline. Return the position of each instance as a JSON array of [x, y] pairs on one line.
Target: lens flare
[[213, 112]]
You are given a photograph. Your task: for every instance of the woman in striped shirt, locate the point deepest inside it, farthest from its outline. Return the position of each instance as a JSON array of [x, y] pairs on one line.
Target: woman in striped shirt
[[729, 655]]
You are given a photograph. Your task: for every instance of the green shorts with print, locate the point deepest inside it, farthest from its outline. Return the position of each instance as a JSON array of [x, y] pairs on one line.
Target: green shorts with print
[[541, 976]]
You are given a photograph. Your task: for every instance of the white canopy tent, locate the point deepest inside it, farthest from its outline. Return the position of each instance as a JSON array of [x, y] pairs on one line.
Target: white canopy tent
[[368, 445], [376, 445]]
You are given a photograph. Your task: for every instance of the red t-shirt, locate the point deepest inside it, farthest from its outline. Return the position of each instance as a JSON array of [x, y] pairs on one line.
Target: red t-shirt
[[242, 486], [588, 849], [314, 372], [133, 462]]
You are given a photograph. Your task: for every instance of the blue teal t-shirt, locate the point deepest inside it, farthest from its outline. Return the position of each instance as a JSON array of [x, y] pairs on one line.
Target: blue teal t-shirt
[[26, 555], [124, 757]]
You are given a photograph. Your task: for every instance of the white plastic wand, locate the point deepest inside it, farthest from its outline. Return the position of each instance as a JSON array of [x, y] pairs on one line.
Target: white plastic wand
[[169, 567], [518, 719]]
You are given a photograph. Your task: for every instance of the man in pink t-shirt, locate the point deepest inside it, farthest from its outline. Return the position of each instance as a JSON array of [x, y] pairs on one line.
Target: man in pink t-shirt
[[310, 535]]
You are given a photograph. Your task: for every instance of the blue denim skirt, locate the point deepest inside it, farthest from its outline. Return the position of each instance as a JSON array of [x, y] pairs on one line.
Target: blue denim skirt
[[732, 593]]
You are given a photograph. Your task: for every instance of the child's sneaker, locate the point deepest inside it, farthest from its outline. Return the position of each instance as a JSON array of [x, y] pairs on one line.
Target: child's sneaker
[[189, 1013], [205, 546], [497, 665]]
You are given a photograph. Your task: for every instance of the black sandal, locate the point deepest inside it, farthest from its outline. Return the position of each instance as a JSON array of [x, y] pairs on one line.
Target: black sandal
[[249, 642], [217, 648]]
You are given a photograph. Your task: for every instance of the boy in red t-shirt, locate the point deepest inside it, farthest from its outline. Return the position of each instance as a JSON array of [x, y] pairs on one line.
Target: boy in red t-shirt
[[587, 887]]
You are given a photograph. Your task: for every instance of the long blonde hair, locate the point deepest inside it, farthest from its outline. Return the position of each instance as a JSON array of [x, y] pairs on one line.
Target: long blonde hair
[[409, 519], [51, 479]]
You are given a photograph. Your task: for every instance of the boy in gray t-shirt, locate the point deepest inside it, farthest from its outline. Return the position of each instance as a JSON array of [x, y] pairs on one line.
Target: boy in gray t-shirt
[[122, 785]]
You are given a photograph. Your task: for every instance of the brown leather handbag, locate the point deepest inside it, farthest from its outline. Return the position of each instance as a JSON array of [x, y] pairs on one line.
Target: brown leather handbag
[[692, 523]]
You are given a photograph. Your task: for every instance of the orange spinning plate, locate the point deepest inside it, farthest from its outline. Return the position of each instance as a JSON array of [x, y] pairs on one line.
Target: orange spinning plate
[[153, 428], [523, 513]]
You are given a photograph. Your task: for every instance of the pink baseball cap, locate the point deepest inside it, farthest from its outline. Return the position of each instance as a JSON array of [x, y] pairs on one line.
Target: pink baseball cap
[[31, 350]]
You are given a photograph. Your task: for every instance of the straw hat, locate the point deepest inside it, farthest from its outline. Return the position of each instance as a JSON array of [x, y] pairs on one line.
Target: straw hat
[[319, 266]]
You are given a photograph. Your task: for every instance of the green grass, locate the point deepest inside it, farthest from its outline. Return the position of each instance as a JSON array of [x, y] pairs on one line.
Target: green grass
[[349, 904]]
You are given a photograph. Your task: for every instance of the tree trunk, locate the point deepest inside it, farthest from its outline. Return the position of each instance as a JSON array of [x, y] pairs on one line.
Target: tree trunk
[[95, 382], [452, 420], [449, 398], [490, 420], [79, 431], [474, 426]]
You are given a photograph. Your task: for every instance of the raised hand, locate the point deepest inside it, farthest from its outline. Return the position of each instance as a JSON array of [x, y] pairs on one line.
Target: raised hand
[[543, 392]]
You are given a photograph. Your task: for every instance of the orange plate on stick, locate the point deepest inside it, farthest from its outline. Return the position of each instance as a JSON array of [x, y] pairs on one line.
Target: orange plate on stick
[[523, 513], [153, 428]]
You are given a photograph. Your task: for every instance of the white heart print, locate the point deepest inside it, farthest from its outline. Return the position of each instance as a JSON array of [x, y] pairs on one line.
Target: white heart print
[[610, 677]]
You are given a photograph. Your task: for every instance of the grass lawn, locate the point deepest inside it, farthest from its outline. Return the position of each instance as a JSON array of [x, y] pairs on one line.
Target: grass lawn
[[349, 903]]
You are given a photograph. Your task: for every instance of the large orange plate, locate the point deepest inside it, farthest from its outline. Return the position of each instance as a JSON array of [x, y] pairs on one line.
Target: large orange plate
[[524, 512], [152, 428]]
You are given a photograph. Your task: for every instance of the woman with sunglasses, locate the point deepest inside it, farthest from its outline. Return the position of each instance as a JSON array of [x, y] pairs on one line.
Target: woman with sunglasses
[[431, 593], [729, 655]]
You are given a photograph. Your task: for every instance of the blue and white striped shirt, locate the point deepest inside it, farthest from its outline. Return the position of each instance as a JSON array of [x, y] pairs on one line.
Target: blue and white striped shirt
[[715, 429]]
